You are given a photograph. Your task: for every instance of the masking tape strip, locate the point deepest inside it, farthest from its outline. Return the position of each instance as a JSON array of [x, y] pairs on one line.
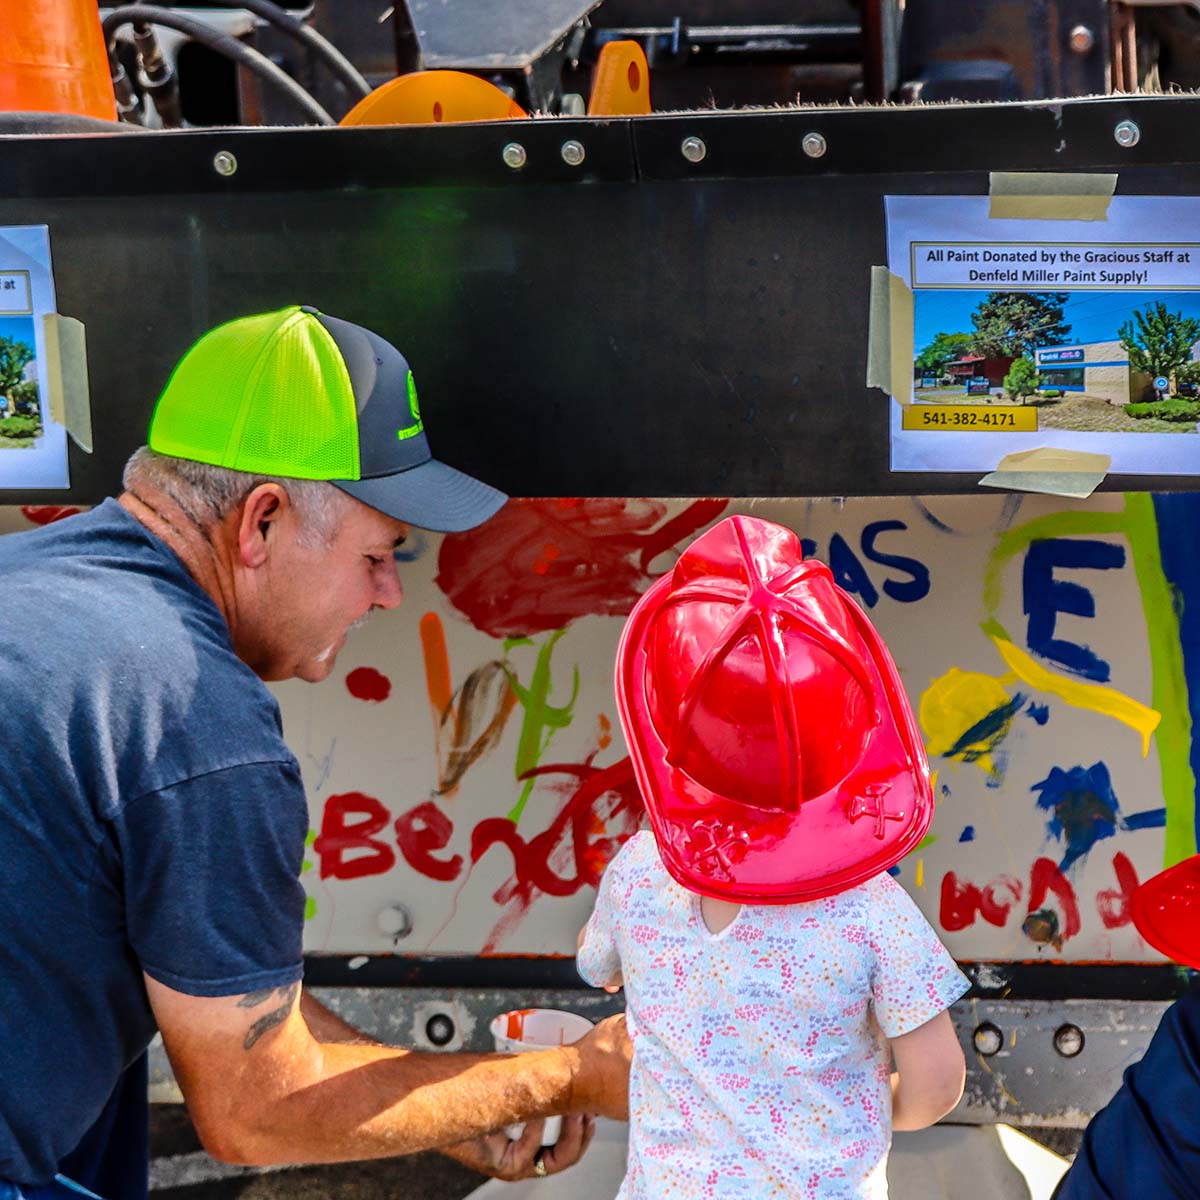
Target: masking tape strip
[[890, 337], [65, 377], [1073, 473], [1050, 195]]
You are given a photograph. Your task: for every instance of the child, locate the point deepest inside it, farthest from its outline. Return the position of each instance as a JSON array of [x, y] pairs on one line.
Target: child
[[772, 968]]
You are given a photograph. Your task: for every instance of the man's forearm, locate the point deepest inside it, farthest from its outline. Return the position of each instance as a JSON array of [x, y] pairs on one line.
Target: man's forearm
[[372, 1101]]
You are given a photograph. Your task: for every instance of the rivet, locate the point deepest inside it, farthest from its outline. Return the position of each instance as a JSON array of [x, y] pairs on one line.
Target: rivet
[[573, 153], [1081, 39], [814, 145], [224, 163], [987, 1039], [1068, 1040], [693, 149], [514, 155], [1127, 133]]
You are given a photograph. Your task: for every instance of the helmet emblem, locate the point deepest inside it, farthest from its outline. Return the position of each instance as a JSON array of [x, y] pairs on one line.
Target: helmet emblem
[[871, 804], [712, 847]]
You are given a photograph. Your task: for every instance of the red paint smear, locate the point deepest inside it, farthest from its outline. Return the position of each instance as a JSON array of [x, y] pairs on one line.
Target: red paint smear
[[962, 903], [47, 514], [538, 564], [572, 841], [1046, 877], [419, 832], [366, 683], [1113, 904], [346, 847]]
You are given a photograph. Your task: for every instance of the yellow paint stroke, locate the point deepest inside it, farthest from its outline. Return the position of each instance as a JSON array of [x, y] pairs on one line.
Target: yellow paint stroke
[[920, 872], [1138, 524], [954, 703], [1093, 696]]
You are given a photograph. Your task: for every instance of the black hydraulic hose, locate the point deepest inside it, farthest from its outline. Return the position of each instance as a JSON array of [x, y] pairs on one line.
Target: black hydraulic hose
[[222, 43], [312, 38]]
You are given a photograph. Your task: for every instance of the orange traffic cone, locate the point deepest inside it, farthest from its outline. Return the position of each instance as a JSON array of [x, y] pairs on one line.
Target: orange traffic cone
[[52, 59]]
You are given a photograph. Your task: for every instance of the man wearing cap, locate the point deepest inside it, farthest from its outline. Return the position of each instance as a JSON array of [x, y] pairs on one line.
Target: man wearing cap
[[152, 821], [1145, 1143]]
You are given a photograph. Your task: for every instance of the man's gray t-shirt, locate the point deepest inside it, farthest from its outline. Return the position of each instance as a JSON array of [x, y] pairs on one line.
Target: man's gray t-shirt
[[151, 819]]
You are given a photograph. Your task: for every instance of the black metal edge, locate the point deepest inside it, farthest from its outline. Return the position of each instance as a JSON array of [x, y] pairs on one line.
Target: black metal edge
[[449, 971], [1074, 134], [181, 162], [1078, 981], [989, 980], [1054, 135]]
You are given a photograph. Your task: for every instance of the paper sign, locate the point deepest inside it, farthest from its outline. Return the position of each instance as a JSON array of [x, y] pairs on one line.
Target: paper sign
[[1035, 331], [33, 443]]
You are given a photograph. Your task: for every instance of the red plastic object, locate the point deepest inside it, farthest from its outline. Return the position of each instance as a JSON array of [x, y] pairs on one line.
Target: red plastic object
[[52, 59], [774, 744], [1166, 911]]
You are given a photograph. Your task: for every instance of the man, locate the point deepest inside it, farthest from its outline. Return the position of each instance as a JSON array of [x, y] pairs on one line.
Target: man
[[1145, 1143], [152, 821]]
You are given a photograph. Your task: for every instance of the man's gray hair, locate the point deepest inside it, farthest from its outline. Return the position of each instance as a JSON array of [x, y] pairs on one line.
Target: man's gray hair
[[207, 493]]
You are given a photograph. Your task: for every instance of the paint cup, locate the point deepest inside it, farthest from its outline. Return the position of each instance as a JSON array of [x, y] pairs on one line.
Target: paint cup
[[526, 1029]]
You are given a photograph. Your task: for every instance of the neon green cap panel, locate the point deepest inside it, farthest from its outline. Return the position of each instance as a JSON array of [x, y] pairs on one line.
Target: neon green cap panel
[[269, 395]]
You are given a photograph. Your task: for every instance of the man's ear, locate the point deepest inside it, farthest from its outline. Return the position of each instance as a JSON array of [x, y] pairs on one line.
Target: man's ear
[[261, 510]]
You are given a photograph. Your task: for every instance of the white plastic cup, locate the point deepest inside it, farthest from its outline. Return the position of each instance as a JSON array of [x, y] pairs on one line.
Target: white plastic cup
[[526, 1029]]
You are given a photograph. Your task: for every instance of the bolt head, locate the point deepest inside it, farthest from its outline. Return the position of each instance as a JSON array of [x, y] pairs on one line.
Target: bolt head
[[693, 149], [1068, 1040], [1127, 134], [814, 145], [1081, 39], [224, 163], [573, 153], [987, 1039], [514, 155]]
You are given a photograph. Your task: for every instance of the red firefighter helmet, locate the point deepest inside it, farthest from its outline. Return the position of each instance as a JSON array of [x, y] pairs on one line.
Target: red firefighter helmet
[[776, 750], [1166, 911]]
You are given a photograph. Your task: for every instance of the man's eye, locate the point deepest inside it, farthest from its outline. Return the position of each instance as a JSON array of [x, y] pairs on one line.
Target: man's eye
[[375, 560]]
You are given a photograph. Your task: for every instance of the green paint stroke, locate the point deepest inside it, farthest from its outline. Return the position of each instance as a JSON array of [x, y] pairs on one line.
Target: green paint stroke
[[1169, 693], [310, 907], [542, 719], [1137, 524]]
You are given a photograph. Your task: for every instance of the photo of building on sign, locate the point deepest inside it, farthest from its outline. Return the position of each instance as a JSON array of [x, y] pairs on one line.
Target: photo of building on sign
[[20, 402], [1091, 361]]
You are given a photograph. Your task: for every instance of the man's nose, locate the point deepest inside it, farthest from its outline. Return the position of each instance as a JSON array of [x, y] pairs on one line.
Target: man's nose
[[390, 592]]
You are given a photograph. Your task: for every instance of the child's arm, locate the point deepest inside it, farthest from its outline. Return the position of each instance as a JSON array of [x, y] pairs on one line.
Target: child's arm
[[614, 980], [929, 1076], [598, 959]]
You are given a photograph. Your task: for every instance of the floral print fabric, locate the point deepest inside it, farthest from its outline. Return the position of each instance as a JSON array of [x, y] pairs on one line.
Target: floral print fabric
[[761, 1064]]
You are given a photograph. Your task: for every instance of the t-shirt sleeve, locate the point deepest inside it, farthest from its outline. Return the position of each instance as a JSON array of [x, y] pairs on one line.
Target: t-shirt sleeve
[[211, 866], [599, 959], [913, 977]]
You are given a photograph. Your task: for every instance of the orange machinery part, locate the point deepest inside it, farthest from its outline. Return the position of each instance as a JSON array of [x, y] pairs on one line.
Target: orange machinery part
[[620, 82], [52, 59], [434, 97]]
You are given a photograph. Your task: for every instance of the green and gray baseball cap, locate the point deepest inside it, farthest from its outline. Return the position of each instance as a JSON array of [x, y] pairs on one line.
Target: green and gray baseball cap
[[304, 395]]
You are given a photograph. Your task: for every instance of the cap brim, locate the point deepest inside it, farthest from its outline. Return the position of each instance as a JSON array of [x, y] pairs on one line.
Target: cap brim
[[430, 496]]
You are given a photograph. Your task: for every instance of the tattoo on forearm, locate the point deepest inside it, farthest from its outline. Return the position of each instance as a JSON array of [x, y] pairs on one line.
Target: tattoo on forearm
[[275, 1017], [254, 999]]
